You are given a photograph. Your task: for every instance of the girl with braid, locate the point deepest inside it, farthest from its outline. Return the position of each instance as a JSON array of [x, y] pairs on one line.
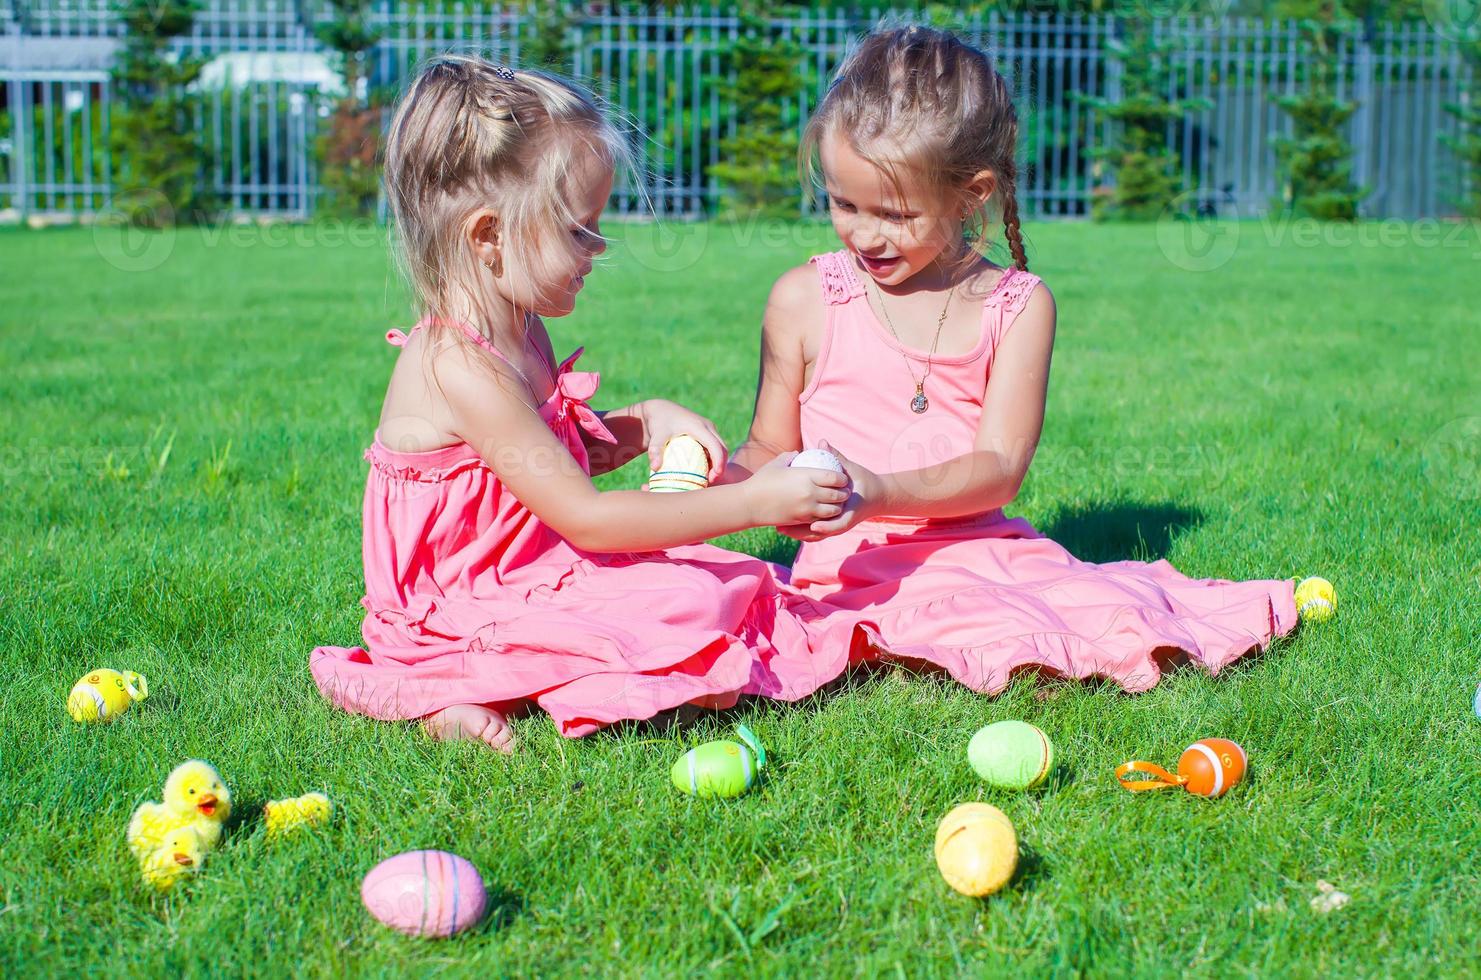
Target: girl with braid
[[924, 368]]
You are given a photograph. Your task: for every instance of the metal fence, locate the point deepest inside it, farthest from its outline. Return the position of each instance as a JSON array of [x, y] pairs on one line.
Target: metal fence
[[270, 84]]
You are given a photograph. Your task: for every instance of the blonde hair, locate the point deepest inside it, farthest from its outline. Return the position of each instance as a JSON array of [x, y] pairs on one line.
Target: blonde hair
[[466, 135], [941, 100]]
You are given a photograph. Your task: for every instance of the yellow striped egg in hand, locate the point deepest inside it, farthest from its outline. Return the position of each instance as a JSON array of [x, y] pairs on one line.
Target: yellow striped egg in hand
[[684, 464], [285, 816], [722, 768], [104, 694]]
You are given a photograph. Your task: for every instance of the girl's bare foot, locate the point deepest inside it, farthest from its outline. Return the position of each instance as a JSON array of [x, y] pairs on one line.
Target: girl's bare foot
[[471, 722]]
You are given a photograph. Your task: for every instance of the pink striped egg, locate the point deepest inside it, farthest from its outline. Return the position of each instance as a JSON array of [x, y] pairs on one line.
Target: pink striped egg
[[425, 893]]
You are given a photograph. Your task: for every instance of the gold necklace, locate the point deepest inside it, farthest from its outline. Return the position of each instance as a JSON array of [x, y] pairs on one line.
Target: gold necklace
[[920, 402]]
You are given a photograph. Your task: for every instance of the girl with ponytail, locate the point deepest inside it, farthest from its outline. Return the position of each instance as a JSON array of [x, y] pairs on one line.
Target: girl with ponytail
[[498, 578]]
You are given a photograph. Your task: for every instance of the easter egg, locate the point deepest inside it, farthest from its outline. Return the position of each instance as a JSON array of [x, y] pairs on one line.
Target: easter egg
[[684, 464], [976, 849], [425, 893], [1477, 703], [1316, 600], [1211, 766], [1011, 754], [721, 768], [817, 459], [104, 695]]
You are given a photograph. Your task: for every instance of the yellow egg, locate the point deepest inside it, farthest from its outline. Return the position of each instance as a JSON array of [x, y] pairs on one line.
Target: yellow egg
[[101, 695], [1316, 599], [976, 849]]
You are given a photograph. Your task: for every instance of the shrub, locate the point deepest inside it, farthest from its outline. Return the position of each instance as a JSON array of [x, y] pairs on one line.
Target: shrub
[[1146, 169], [1316, 159], [159, 178], [759, 174]]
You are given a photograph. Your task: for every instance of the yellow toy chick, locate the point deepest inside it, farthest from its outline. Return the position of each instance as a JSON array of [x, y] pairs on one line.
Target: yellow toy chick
[[285, 816], [180, 855], [104, 695], [195, 796]]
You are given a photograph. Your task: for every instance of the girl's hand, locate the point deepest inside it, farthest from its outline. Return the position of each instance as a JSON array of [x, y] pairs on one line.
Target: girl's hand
[[865, 496], [662, 420], [780, 495]]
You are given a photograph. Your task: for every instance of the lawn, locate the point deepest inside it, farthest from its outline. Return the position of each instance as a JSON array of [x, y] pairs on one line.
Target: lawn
[[182, 475]]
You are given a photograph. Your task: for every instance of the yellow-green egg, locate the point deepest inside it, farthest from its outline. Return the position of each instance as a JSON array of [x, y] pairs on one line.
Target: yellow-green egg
[[722, 768]]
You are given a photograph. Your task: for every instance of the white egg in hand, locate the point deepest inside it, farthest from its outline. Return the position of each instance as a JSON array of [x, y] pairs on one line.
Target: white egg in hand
[[818, 459]]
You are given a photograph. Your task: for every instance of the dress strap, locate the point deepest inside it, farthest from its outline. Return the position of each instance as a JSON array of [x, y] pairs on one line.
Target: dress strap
[[1008, 297], [396, 338], [470, 331], [1012, 291], [836, 272]]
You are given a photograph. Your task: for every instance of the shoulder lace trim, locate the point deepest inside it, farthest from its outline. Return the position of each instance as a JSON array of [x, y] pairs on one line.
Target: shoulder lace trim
[[836, 272]]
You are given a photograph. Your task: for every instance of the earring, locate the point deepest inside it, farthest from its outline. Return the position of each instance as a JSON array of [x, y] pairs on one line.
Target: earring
[[496, 265]]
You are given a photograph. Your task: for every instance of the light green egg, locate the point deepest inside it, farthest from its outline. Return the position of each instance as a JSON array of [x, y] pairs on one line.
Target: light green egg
[[1011, 754], [722, 768]]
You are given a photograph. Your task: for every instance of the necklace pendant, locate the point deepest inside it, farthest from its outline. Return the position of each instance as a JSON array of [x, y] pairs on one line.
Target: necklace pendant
[[919, 403]]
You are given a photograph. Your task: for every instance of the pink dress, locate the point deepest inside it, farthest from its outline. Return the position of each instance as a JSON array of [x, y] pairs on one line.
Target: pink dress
[[470, 599], [986, 596]]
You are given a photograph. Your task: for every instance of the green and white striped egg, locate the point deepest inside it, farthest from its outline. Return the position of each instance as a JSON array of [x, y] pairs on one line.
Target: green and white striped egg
[[721, 768]]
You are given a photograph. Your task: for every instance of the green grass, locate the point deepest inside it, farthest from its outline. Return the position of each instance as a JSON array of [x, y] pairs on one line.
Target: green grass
[[1302, 408]]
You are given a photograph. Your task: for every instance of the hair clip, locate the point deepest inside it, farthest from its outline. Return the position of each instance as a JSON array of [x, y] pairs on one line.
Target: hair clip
[[504, 72]]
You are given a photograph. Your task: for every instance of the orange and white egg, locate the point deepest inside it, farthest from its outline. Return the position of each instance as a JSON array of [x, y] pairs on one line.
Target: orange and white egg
[[1212, 766]]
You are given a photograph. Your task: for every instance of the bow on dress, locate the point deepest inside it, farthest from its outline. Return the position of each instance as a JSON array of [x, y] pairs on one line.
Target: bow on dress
[[572, 391]]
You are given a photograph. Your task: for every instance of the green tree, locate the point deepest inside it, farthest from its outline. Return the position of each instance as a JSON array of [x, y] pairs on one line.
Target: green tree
[[1316, 159], [759, 172], [1147, 170], [159, 178], [548, 41]]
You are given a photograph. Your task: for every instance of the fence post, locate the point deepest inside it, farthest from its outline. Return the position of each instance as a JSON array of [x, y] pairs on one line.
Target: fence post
[[1362, 117], [21, 144], [1113, 93]]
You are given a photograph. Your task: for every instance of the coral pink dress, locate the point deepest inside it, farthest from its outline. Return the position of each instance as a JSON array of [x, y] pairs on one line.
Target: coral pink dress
[[470, 599], [985, 596]]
